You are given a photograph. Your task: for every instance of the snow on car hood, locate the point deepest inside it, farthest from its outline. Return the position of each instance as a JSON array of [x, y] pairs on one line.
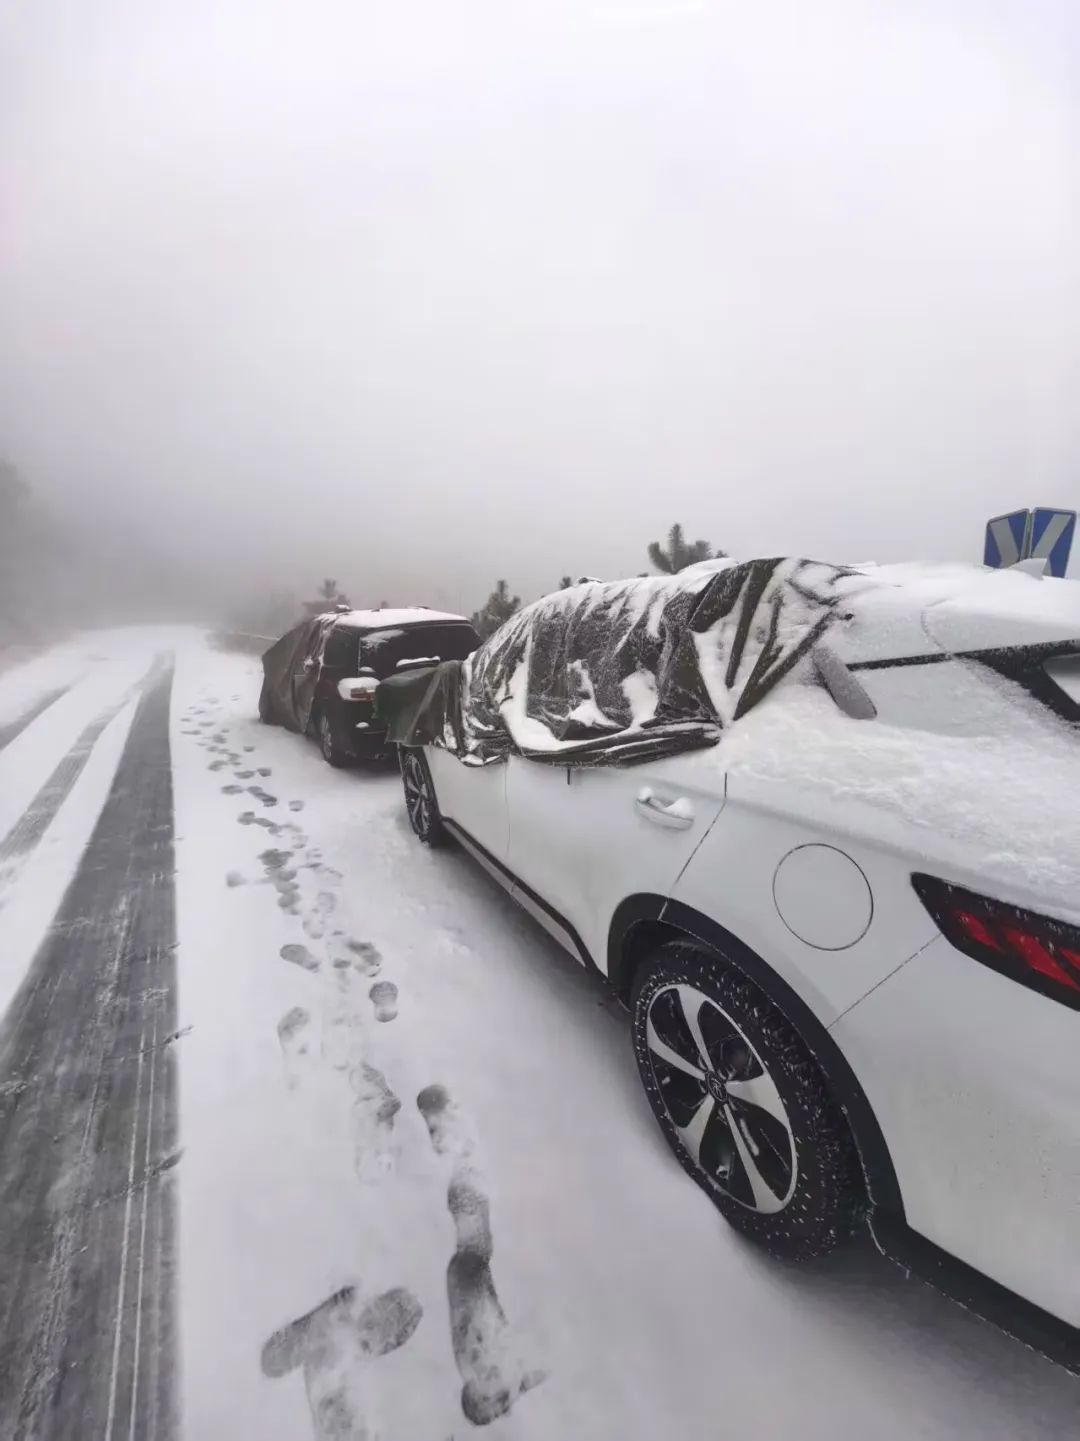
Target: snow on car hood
[[908, 610]]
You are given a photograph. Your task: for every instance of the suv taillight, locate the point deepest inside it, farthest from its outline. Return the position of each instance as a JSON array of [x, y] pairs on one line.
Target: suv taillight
[[1041, 953]]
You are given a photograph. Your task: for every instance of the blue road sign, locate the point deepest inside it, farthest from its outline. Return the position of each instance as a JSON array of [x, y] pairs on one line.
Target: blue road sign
[[1006, 539], [1052, 534]]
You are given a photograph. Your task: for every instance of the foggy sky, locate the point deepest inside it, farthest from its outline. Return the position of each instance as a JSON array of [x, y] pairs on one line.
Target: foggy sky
[[421, 292]]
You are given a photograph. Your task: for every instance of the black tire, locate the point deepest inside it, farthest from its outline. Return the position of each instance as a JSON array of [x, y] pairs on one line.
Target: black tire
[[781, 1166], [324, 733], [421, 805]]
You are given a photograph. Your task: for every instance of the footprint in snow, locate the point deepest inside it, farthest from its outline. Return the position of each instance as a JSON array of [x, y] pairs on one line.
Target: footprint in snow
[[384, 998], [343, 1030], [315, 924], [249, 749], [244, 775], [364, 958], [373, 1115], [296, 805], [216, 766], [299, 955], [336, 1344], [493, 1372], [283, 879], [292, 1032], [231, 790], [264, 770], [234, 879], [249, 818]]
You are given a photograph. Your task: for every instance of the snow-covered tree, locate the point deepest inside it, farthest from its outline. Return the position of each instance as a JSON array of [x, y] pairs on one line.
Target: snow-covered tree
[[680, 552], [498, 608]]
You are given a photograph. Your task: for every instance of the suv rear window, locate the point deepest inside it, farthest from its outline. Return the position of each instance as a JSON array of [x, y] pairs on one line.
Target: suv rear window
[[340, 650], [383, 650]]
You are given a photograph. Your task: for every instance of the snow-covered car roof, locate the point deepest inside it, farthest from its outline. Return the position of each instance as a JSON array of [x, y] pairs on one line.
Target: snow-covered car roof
[[379, 619]]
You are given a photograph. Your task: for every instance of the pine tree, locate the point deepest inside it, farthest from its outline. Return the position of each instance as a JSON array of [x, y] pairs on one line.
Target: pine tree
[[680, 552], [498, 609], [566, 582], [329, 596]]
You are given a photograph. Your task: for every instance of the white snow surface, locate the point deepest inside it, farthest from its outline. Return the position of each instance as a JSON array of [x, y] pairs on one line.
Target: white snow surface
[[1001, 795], [912, 609], [415, 615], [616, 1275]]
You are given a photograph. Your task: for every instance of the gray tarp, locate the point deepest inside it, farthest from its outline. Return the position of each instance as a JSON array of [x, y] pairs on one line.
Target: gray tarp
[[289, 688], [609, 674]]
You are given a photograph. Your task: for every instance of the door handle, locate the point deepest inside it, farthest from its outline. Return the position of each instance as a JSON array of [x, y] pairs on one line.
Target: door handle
[[677, 815]]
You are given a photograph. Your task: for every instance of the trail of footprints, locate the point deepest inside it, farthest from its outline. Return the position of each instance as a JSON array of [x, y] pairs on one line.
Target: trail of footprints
[[337, 1343]]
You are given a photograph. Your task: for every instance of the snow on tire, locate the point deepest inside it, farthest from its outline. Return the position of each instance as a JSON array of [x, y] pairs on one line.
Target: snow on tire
[[742, 1103]]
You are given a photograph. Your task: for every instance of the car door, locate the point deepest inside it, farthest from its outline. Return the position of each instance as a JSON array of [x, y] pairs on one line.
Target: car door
[[582, 839], [472, 800]]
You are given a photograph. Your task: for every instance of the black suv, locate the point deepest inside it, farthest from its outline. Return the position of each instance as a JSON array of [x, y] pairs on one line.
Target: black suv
[[320, 678]]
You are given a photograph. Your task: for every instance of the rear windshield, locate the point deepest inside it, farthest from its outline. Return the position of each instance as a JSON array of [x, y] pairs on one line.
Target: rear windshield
[[384, 650]]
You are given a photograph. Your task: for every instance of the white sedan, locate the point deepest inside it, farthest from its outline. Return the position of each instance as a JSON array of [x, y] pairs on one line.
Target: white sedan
[[846, 922]]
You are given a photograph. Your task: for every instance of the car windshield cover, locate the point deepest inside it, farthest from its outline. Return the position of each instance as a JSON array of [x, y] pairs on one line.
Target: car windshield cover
[[611, 673]]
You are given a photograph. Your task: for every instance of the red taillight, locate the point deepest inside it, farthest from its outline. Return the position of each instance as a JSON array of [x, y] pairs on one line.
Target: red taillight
[[1038, 951], [365, 697]]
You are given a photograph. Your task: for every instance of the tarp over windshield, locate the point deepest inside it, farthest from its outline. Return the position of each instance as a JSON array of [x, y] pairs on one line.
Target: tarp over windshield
[[613, 673]]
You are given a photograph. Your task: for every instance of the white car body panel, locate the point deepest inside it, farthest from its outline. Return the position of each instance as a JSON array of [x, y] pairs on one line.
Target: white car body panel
[[583, 842], [731, 878], [474, 797], [975, 1082]]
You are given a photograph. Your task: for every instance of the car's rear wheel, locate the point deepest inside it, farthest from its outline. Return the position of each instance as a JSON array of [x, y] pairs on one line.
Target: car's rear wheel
[[420, 802], [332, 752], [742, 1103]]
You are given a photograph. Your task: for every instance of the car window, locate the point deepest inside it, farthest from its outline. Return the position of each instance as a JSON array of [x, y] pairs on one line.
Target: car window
[[384, 650], [339, 653]]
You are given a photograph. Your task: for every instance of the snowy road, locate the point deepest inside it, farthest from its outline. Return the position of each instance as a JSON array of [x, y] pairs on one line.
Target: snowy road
[[363, 1153]]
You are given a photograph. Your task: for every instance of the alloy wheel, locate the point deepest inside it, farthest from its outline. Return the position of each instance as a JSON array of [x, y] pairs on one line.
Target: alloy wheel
[[417, 795], [722, 1102]]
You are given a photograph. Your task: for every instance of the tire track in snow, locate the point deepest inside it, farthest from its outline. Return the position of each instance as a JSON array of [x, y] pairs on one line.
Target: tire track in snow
[[14, 728], [88, 1130], [41, 812]]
